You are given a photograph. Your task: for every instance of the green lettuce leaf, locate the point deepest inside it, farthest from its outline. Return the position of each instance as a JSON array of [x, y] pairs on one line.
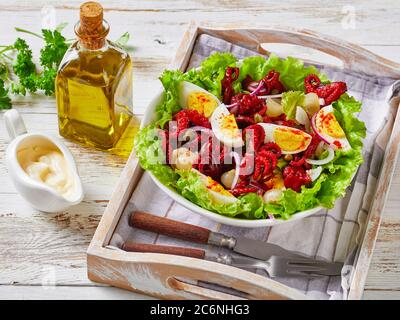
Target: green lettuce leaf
[[292, 71], [290, 100], [148, 149]]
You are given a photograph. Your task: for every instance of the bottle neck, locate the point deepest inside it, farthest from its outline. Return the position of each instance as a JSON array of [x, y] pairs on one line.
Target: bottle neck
[[92, 39]]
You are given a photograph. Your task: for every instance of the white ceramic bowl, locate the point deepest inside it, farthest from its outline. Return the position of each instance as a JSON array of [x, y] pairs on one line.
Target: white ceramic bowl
[[149, 117]]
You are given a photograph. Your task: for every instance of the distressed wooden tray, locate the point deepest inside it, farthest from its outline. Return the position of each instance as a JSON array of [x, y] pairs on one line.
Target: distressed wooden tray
[[159, 275]]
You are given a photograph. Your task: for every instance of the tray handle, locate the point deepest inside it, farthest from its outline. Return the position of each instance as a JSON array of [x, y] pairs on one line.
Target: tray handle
[[353, 56], [201, 292]]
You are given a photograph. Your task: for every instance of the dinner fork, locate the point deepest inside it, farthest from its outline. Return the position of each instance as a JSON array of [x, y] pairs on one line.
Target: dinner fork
[[275, 266]]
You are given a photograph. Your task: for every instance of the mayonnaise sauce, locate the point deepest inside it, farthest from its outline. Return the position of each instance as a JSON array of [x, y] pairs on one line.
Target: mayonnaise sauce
[[48, 166]]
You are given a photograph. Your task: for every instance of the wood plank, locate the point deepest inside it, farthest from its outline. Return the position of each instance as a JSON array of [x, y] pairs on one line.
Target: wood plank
[[381, 294], [67, 293], [375, 23]]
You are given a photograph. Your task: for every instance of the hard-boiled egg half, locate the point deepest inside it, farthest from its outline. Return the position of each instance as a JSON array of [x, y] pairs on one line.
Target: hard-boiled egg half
[[195, 97], [217, 192], [276, 186], [328, 128], [290, 140], [225, 128]]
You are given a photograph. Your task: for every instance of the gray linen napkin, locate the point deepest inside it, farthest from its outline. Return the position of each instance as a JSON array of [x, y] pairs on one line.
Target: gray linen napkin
[[334, 234]]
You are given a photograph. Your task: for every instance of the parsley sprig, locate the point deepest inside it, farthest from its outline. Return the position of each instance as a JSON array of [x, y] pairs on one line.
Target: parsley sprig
[[32, 78]]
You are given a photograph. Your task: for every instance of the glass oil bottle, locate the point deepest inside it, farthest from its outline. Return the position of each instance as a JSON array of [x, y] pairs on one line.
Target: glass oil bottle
[[94, 85]]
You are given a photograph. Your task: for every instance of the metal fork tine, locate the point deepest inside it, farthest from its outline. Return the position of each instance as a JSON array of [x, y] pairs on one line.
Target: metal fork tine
[[280, 266]]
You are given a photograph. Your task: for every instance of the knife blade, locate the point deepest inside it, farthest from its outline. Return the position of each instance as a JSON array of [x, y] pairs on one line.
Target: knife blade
[[184, 231]]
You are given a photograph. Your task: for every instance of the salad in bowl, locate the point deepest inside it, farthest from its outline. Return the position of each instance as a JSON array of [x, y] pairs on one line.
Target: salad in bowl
[[252, 139]]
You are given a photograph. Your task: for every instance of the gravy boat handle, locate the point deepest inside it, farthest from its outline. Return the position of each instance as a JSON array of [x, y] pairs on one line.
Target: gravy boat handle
[[14, 124]]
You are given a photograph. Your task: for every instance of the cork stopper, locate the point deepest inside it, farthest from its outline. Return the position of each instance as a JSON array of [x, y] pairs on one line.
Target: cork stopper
[[91, 28]]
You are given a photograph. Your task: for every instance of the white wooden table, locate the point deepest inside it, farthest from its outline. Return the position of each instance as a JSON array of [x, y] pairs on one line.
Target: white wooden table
[[43, 255]]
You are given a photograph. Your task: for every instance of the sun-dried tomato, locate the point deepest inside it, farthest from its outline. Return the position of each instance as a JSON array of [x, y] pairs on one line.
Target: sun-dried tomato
[[273, 83], [257, 135], [298, 160], [263, 110], [212, 170], [265, 164], [239, 191], [247, 104], [289, 123], [244, 121], [231, 75], [295, 177], [247, 82], [281, 117], [272, 147], [267, 119], [329, 92], [301, 160], [192, 116]]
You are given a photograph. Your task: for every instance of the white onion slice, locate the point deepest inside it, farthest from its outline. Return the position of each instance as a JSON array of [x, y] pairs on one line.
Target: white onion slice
[[321, 147], [302, 118], [321, 101], [235, 156], [314, 173], [272, 96], [329, 158]]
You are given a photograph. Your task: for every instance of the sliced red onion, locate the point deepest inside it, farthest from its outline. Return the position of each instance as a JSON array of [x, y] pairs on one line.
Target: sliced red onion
[[235, 156], [314, 127], [302, 118], [233, 108], [258, 89], [329, 158], [271, 216], [258, 185], [314, 173], [252, 86]]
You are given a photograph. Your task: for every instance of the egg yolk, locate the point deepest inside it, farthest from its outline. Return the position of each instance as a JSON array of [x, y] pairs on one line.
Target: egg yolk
[[290, 139], [229, 126], [202, 102], [276, 181], [216, 187], [328, 124]]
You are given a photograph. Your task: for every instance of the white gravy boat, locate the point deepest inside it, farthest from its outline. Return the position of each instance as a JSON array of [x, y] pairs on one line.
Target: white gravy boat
[[39, 194]]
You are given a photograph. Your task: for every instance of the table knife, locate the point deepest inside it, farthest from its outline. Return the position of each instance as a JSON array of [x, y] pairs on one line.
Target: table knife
[[184, 231]]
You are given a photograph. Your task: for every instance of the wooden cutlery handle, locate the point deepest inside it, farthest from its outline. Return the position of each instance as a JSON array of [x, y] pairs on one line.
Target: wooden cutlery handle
[[168, 227], [156, 248]]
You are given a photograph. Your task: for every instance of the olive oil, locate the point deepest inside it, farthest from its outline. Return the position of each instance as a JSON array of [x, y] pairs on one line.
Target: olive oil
[[94, 85]]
